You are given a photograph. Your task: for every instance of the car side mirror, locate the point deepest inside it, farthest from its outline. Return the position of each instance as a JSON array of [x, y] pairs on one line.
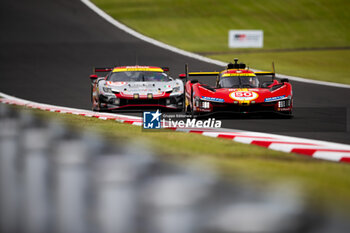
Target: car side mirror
[[284, 80], [182, 76], [93, 77]]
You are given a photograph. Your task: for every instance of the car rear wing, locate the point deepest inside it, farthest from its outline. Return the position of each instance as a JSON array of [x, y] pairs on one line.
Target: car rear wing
[[216, 73], [196, 74], [165, 69], [203, 73], [272, 73], [108, 69], [94, 77], [103, 69], [264, 73]]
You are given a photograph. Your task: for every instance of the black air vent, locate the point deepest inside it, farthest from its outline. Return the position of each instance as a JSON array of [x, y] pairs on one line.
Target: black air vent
[[209, 88], [276, 87]]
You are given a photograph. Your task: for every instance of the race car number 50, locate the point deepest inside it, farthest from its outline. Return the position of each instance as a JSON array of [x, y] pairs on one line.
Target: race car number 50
[[244, 95]]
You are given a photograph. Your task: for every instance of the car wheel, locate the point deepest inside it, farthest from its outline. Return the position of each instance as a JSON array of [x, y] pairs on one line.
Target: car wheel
[[96, 105], [187, 109], [191, 105], [92, 94], [193, 112]]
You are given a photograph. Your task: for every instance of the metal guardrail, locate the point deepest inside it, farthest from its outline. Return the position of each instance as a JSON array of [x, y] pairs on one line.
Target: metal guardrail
[[53, 179]]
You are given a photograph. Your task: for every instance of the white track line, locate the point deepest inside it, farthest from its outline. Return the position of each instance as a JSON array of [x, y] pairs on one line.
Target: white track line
[[75, 111], [138, 35]]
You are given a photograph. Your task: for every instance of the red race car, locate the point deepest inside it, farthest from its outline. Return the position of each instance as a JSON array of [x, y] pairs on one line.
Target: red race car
[[238, 90]]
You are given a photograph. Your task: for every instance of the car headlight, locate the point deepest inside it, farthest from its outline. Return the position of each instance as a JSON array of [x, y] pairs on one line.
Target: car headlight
[[205, 104], [284, 103], [176, 89], [107, 89], [115, 101]]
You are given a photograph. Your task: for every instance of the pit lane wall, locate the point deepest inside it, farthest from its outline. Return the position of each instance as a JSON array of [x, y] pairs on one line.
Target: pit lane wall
[[314, 148]]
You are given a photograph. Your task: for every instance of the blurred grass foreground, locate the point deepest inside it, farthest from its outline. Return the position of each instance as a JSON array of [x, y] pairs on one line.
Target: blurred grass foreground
[[55, 179]]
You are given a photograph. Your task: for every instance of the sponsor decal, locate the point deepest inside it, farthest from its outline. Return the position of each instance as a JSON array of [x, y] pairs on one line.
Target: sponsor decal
[[151, 120], [238, 75], [284, 109], [142, 85], [116, 83], [270, 99], [244, 95], [213, 99], [246, 38], [138, 68]]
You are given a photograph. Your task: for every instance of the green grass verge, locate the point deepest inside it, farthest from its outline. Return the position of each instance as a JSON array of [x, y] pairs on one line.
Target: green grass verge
[[322, 181], [202, 26]]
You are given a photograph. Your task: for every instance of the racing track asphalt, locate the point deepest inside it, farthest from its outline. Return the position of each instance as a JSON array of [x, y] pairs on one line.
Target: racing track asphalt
[[48, 49]]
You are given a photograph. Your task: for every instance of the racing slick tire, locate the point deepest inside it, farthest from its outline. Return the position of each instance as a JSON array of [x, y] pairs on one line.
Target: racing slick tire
[[187, 109], [96, 105], [191, 112]]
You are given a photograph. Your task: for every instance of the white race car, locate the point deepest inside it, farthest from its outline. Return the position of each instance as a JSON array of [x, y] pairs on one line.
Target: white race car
[[130, 87]]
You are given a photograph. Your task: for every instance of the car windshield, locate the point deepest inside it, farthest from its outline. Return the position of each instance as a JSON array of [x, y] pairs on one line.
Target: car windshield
[[239, 82], [138, 76]]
